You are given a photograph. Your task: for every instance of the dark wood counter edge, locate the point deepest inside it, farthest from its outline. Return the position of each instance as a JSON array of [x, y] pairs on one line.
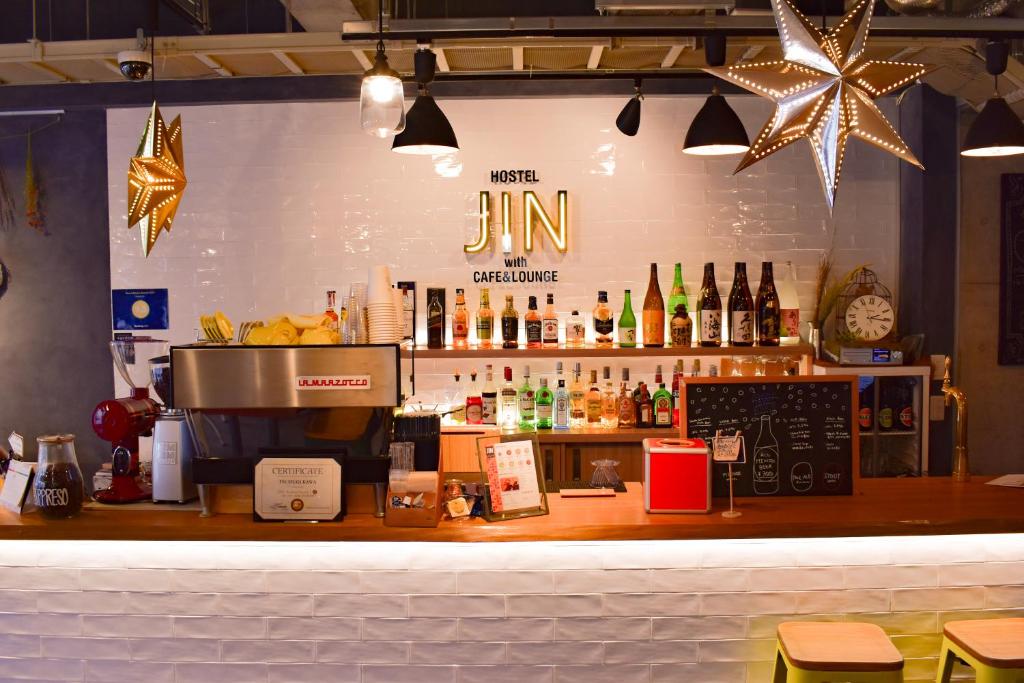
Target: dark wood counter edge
[[883, 508]]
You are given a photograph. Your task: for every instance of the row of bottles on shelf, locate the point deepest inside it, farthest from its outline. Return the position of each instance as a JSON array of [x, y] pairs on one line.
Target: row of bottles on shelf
[[895, 412], [572, 406], [748, 320]]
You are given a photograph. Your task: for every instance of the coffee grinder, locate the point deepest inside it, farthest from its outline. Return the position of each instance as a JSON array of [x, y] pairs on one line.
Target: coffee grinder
[[122, 421], [172, 442]]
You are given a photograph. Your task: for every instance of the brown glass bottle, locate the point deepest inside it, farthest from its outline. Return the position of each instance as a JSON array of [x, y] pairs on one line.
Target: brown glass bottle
[[769, 312], [644, 408], [509, 325], [654, 312], [435, 321], [741, 309], [709, 310]]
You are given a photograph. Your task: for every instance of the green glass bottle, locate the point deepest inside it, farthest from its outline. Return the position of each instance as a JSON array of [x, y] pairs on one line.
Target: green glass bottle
[[545, 405], [627, 324], [527, 402], [662, 403], [678, 294]]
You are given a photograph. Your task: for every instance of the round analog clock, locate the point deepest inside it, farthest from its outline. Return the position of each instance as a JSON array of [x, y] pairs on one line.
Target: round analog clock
[[870, 317]]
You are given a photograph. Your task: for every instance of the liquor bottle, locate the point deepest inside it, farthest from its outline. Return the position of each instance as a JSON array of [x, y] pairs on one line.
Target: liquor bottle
[[527, 403], [457, 401], [886, 409], [577, 401], [592, 401], [709, 309], [489, 398], [545, 404], [768, 312], [654, 312], [627, 323], [695, 368], [332, 315], [741, 309], [766, 460], [435, 322], [627, 410], [677, 377], [549, 323], [662, 401], [485, 320], [905, 405], [866, 407], [474, 402], [609, 402], [561, 406], [508, 415], [509, 325], [533, 324], [575, 330], [645, 407], [678, 294], [681, 328], [789, 304], [604, 321], [460, 321]]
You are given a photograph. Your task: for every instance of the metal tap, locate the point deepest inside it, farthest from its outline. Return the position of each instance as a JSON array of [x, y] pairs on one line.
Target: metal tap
[[961, 468]]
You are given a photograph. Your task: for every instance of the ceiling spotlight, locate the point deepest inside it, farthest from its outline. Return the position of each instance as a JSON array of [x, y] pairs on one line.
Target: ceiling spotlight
[[628, 120], [381, 97], [998, 131], [716, 130], [427, 130]]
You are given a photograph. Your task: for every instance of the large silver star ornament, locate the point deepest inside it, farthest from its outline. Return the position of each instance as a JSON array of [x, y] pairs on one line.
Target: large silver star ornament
[[824, 90]]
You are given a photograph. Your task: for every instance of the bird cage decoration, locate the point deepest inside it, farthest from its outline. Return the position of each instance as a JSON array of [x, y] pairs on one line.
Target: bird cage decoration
[[864, 283]]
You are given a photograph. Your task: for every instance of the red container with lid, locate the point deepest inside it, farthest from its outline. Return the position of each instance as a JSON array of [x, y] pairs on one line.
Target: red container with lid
[[677, 475]]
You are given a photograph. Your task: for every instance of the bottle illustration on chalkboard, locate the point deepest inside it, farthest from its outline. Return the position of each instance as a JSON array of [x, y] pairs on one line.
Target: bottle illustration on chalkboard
[[766, 460]]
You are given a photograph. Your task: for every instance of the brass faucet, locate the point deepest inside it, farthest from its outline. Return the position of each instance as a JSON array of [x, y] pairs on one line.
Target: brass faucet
[[961, 468]]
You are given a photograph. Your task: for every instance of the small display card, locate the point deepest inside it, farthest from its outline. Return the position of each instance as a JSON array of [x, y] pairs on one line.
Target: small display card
[[512, 475], [297, 489], [139, 309], [729, 449], [16, 487]]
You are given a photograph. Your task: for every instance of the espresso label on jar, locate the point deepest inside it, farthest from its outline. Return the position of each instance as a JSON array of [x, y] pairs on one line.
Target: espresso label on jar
[[59, 491]]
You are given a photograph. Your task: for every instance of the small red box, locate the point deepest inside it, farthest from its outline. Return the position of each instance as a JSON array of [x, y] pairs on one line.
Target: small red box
[[677, 475]]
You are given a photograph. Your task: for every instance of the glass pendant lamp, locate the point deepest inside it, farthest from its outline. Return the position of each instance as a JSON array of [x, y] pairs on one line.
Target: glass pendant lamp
[[381, 97]]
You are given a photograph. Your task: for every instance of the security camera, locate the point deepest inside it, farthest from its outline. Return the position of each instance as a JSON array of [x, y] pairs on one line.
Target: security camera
[[134, 64]]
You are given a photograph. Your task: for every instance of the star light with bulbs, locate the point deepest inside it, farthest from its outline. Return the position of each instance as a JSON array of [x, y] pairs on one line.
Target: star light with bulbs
[[824, 90], [156, 178]]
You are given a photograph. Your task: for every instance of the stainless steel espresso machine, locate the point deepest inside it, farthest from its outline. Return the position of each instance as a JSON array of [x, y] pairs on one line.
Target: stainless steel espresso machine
[[245, 402]]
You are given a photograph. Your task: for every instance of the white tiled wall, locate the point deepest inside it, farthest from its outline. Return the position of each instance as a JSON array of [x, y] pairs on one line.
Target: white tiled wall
[[288, 200], [626, 612]]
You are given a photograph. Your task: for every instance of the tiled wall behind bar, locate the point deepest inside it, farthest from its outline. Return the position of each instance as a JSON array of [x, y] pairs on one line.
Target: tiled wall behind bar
[[288, 200], [626, 612]]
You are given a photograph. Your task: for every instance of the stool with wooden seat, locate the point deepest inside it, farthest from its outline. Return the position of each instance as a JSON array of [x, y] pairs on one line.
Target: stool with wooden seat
[[819, 651], [994, 648]]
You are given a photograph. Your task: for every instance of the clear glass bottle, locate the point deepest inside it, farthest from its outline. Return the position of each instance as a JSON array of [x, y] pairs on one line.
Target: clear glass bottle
[[460, 321], [509, 325], [604, 322], [508, 403], [534, 325], [456, 400], [333, 321], [527, 403], [549, 323], [575, 330], [59, 489], [545, 405], [485, 320], [789, 302], [609, 402], [592, 401], [562, 409], [654, 312], [577, 400], [627, 323], [627, 409], [489, 399]]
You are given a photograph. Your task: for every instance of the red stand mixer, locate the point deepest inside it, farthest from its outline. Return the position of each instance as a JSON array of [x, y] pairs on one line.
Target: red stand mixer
[[122, 421]]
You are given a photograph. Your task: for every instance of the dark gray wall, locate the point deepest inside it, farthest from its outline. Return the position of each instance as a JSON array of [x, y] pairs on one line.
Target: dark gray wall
[[55, 312]]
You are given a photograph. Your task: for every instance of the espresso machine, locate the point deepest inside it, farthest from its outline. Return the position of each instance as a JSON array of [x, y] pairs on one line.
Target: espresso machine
[[122, 421]]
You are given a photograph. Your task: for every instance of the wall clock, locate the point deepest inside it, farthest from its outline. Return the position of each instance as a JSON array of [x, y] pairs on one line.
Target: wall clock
[[865, 311]]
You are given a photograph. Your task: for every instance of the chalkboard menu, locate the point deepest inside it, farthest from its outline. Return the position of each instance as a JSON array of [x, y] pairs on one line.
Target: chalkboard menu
[[799, 432]]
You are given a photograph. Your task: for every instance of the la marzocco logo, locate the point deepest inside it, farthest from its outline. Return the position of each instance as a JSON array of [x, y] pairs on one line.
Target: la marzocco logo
[[332, 382]]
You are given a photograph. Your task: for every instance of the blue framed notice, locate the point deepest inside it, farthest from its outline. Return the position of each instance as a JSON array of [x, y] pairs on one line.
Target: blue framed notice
[[139, 309]]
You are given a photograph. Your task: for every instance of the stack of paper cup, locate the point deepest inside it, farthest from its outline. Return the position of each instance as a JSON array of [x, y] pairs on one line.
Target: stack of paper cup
[[382, 319]]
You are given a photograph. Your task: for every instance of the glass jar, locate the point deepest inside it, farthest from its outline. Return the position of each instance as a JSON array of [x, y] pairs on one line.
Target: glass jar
[[58, 487]]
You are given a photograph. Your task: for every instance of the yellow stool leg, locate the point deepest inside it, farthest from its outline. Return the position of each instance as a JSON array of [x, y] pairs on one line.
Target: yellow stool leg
[[988, 674], [945, 672], [779, 669]]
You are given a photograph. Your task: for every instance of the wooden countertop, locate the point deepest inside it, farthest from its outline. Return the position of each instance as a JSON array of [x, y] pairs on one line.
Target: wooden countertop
[[882, 507]]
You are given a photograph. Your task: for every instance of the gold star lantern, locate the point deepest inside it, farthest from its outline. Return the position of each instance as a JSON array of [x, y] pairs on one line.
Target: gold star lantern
[[824, 90], [156, 178]]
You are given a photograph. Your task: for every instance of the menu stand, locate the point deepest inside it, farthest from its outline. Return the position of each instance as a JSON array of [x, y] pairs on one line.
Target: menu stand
[[729, 449]]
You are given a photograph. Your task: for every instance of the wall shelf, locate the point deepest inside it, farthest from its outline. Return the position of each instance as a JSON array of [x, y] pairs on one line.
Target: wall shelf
[[796, 349]]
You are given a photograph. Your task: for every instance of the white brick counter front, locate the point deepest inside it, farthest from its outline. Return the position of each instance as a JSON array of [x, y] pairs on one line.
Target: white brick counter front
[[520, 612]]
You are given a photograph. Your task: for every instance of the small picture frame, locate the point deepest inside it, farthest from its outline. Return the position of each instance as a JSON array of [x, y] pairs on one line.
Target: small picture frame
[[512, 470], [293, 488], [729, 449]]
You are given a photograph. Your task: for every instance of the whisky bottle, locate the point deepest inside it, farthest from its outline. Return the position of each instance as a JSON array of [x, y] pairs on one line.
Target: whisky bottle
[[769, 313], [508, 413], [709, 309], [654, 312], [604, 321], [627, 324], [645, 408], [662, 401], [485, 320], [627, 410], [435, 322], [577, 401], [489, 399], [474, 402], [545, 404], [460, 321], [609, 402], [678, 294], [533, 325], [575, 330], [549, 323], [741, 309], [509, 325], [527, 403], [681, 328], [592, 401], [561, 419]]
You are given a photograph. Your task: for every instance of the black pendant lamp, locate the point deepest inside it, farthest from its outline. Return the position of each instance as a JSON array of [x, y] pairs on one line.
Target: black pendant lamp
[[998, 131], [628, 120], [427, 130], [716, 130]]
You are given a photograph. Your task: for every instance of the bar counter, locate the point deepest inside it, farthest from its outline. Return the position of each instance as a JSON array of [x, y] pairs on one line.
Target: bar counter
[[881, 507]]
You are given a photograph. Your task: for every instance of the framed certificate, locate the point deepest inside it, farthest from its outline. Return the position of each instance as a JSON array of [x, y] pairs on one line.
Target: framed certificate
[[513, 475], [297, 489]]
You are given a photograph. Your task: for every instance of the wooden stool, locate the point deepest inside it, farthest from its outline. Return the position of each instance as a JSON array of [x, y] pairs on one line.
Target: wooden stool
[[994, 648], [819, 651]]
